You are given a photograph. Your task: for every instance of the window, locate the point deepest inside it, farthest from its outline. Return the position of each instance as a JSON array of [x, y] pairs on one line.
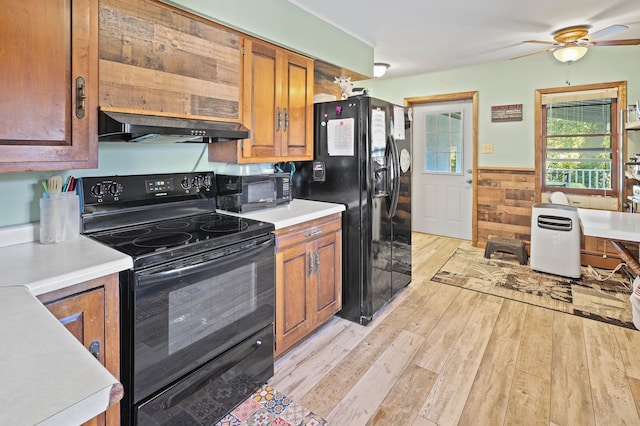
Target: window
[[443, 142], [578, 138]]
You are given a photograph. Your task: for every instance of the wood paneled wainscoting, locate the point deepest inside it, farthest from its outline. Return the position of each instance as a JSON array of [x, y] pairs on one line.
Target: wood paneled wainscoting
[[504, 201]]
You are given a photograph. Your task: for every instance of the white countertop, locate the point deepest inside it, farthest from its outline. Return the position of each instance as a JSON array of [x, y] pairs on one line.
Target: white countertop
[[46, 267], [613, 225], [48, 377], [296, 212]]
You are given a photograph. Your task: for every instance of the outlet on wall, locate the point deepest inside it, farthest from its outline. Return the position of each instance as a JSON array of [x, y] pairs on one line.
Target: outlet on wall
[[487, 148]]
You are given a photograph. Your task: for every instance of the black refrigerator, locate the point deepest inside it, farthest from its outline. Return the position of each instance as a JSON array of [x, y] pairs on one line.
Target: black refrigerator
[[363, 160]]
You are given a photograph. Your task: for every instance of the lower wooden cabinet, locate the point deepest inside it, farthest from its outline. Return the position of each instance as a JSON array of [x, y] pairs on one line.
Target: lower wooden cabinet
[[308, 278], [90, 312]]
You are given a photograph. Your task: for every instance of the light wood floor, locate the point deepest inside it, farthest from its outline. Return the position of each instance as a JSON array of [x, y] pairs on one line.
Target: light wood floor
[[440, 355]]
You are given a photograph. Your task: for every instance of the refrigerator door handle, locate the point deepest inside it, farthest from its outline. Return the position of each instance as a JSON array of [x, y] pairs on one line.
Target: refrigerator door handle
[[395, 177]]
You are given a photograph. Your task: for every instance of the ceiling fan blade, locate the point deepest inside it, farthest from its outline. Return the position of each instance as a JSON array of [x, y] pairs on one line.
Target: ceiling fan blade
[[626, 42], [540, 42], [606, 32], [533, 53]]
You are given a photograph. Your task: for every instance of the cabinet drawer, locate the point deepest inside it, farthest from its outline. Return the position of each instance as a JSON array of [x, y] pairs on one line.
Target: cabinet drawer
[[307, 231]]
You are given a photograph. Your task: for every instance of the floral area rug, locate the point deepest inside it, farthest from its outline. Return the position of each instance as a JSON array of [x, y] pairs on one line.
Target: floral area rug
[[270, 407], [503, 276]]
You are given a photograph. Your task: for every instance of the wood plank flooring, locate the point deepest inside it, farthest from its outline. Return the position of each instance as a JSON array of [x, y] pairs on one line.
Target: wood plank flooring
[[441, 355]]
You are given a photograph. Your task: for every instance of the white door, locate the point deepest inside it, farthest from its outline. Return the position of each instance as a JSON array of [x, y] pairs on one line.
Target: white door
[[443, 165]]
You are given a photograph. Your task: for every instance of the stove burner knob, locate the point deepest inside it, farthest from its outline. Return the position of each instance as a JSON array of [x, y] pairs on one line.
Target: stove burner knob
[[113, 189], [185, 183], [207, 181], [97, 190], [197, 181]]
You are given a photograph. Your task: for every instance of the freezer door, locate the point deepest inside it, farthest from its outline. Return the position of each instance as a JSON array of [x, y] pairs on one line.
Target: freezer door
[[401, 220], [381, 197]]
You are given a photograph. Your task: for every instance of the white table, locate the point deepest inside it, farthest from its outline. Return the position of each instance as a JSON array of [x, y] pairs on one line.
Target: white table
[[611, 225]]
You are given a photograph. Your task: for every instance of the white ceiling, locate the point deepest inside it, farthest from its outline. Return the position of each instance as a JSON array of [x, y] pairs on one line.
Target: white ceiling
[[418, 36]]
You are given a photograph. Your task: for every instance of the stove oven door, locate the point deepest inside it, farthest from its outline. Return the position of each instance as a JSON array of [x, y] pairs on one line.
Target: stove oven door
[[199, 326]]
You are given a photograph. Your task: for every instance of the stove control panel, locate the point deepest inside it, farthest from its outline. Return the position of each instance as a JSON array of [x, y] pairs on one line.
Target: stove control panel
[[159, 185], [146, 189]]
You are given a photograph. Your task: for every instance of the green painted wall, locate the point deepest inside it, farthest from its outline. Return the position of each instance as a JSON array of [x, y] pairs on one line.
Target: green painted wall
[[514, 82], [283, 23]]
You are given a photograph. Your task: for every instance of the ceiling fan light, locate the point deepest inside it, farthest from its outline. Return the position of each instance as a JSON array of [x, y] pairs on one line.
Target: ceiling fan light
[[379, 69], [569, 53]]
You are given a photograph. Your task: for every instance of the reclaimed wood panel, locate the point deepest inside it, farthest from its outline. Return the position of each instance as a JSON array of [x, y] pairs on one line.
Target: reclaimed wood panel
[[158, 59], [504, 201], [324, 74]]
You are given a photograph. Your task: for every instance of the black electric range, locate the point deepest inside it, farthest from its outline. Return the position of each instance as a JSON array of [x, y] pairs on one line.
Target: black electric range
[[197, 309], [160, 218]]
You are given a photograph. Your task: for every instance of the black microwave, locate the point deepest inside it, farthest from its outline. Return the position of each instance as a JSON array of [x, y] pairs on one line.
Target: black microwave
[[246, 193]]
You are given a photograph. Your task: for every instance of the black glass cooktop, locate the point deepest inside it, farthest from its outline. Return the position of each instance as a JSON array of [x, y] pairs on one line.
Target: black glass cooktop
[[158, 242]]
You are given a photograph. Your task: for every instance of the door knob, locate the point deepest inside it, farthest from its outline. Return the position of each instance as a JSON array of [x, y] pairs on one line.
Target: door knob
[[469, 180]]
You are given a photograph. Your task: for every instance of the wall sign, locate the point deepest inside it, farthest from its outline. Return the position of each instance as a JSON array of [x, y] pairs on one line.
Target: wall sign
[[506, 112]]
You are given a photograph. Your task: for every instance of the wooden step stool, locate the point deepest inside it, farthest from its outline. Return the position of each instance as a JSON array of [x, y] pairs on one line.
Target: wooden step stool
[[506, 245]]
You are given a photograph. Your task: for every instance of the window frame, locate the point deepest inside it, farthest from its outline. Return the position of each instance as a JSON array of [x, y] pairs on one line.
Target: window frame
[[617, 140], [436, 153]]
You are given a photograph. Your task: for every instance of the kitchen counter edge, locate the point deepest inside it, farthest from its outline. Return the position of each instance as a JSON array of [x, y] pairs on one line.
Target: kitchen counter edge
[[69, 383], [294, 213]]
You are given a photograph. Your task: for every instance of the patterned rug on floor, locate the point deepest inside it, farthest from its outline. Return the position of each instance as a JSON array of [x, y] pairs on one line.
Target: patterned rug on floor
[[503, 276], [270, 407]]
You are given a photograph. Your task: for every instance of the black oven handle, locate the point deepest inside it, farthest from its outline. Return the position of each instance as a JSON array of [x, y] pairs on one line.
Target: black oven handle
[[189, 389], [242, 251]]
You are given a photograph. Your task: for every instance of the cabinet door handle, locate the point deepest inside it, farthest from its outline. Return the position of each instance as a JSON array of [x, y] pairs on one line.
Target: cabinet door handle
[[278, 119], [309, 265], [316, 261], [81, 97], [286, 120], [94, 348]]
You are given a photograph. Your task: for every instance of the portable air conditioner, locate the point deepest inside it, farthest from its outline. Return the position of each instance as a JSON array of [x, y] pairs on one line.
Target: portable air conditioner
[[555, 240]]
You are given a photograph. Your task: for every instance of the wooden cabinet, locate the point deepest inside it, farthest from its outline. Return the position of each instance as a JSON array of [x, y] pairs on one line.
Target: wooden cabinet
[[308, 278], [49, 85], [90, 312], [159, 60], [277, 108]]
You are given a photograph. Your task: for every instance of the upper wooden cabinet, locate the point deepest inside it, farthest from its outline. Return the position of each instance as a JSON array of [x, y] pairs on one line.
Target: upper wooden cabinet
[[49, 85], [278, 108], [160, 60]]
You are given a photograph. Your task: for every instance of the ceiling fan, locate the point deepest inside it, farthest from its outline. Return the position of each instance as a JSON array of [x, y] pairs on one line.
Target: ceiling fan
[[571, 43]]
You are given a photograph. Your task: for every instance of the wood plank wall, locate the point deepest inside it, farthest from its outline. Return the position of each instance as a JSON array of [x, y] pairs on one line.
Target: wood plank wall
[[324, 74], [158, 59], [504, 201]]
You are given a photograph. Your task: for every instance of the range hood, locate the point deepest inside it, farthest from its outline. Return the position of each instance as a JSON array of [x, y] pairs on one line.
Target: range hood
[[119, 127]]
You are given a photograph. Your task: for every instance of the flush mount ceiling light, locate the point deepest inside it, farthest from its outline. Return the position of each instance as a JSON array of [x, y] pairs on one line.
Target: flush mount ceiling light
[[570, 53], [379, 69]]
